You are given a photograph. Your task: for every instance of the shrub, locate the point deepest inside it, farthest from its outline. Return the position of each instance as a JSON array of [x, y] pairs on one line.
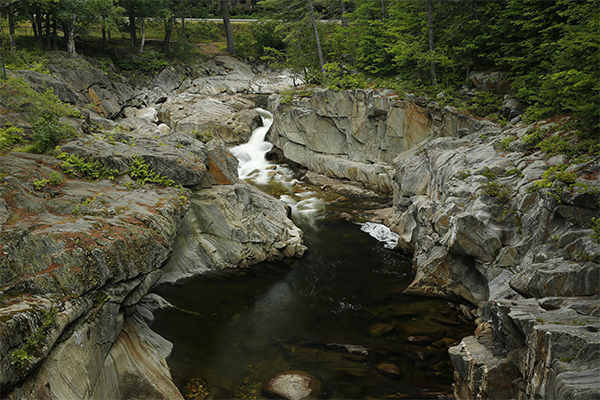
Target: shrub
[[245, 43], [47, 131], [142, 173], [205, 31], [505, 143], [9, 136], [16, 95], [486, 103], [340, 79], [596, 230]]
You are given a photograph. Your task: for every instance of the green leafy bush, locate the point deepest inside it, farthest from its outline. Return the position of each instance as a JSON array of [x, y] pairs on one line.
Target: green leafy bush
[[16, 95], [23, 59], [149, 61], [9, 136], [74, 165], [205, 31], [596, 230], [142, 173], [47, 131], [245, 43], [340, 79], [486, 103], [505, 143], [21, 357]]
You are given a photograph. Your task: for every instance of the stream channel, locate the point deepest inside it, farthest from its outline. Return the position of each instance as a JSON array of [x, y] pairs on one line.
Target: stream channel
[[337, 314]]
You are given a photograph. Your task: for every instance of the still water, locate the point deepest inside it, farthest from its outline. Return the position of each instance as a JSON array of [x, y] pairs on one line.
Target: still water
[[338, 313]]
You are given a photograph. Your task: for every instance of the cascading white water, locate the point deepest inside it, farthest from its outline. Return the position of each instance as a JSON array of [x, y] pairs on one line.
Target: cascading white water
[[253, 164], [273, 178]]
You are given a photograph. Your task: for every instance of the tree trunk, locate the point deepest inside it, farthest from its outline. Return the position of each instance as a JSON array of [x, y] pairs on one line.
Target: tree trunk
[[431, 41], [227, 26], [48, 33], [103, 39], [38, 23], [168, 34], [382, 10], [54, 35], [318, 40], [143, 35], [343, 17], [132, 29], [11, 31], [183, 34], [33, 27], [71, 37]]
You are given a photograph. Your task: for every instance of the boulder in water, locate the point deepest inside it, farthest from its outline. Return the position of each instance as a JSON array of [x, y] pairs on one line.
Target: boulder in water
[[293, 386]]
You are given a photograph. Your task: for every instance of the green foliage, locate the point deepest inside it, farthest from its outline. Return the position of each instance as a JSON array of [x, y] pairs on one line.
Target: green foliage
[[463, 174], [21, 357], [553, 174], [339, 79], [25, 60], [142, 173], [488, 173], [245, 43], [9, 136], [55, 178], [266, 35], [16, 95], [204, 137], [74, 165], [534, 137], [514, 171], [505, 143], [149, 61], [486, 103], [595, 230], [40, 184], [206, 31], [47, 131]]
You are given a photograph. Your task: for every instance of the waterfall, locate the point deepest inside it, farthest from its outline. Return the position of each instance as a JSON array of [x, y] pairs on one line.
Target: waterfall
[[275, 179]]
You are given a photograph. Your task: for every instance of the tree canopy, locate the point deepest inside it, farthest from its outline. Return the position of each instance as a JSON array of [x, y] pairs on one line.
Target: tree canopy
[[549, 48]]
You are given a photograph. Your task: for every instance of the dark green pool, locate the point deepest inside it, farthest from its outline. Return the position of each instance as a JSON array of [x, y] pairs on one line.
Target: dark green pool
[[337, 314]]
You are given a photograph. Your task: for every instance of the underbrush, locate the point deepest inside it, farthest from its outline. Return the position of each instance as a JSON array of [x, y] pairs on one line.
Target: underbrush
[[43, 110]]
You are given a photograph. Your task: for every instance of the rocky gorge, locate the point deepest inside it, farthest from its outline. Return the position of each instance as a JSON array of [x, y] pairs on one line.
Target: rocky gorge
[[80, 256], [487, 222], [79, 253]]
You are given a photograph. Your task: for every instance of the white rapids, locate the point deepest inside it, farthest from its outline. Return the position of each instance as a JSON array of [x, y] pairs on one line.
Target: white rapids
[[254, 167]]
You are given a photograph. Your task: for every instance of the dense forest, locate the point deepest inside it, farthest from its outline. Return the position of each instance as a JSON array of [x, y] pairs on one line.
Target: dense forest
[[550, 49]]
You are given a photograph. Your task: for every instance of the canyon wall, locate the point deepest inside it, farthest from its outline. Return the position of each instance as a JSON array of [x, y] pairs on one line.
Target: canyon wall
[[488, 224]]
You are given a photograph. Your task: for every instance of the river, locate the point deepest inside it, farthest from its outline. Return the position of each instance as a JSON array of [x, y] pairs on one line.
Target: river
[[337, 314]]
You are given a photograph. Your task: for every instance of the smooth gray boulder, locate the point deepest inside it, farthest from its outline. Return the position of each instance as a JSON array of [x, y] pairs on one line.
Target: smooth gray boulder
[[231, 226], [293, 386], [230, 119]]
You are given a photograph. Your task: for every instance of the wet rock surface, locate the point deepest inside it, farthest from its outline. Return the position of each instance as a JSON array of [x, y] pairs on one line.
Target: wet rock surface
[[293, 386]]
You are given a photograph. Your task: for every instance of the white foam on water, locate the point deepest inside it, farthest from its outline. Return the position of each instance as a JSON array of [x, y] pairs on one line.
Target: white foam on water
[[254, 167], [381, 233]]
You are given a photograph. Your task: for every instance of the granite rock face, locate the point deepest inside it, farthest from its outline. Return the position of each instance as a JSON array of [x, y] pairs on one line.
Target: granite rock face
[[80, 254], [481, 230], [231, 226], [356, 134]]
